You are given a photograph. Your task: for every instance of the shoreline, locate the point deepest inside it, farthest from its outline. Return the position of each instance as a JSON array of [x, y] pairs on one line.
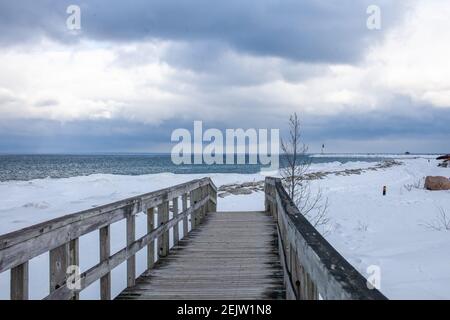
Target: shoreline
[[255, 186]]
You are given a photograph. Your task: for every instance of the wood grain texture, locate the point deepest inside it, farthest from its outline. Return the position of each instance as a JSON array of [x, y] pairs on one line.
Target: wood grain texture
[[105, 251], [131, 261], [19, 282], [176, 229], [231, 255], [94, 273], [20, 246], [312, 267], [184, 205], [74, 259], [59, 261], [151, 245], [163, 240]]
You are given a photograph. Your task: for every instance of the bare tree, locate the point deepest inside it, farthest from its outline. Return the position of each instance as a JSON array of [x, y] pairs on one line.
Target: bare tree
[[440, 223], [294, 174]]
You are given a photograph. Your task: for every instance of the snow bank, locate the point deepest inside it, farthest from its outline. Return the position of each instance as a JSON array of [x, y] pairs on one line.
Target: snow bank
[[373, 155], [388, 231]]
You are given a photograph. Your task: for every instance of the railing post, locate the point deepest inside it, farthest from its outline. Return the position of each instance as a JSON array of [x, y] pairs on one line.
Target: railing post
[[213, 194], [204, 208], [19, 282], [193, 200], [198, 212], [274, 203], [131, 261], [151, 245], [270, 197], [59, 261], [163, 240], [176, 229], [105, 251], [74, 260], [185, 219]]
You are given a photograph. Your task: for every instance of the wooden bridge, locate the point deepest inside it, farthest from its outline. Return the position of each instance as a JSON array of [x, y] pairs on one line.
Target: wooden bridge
[[275, 254]]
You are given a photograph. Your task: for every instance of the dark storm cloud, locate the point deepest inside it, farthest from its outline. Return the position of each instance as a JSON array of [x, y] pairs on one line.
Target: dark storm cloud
[[302, 30], [413, 128], [49, 136], [214, 38]]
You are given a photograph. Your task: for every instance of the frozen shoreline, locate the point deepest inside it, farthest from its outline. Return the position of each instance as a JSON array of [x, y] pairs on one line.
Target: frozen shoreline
[[365, 227]]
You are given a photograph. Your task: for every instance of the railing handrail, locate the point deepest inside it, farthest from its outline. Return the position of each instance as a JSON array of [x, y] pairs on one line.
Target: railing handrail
[[327, 271], [60, 236], [151, 199], [105, 266]]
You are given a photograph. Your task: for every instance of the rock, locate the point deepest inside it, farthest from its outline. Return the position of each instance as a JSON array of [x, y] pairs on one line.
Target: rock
[[241, 191], [444, 164], [444, 157], [249, 184], [437, 183], [226, 187]]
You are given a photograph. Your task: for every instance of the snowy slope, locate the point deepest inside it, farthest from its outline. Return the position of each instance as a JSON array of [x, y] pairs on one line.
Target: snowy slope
[[389, 231]]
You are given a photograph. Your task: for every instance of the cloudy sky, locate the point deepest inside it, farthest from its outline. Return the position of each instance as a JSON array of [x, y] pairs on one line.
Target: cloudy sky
[[139, 69]]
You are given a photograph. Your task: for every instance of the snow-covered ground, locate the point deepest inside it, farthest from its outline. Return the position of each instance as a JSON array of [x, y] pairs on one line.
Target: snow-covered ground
[[389, 231], [366, 227], [373, 155]]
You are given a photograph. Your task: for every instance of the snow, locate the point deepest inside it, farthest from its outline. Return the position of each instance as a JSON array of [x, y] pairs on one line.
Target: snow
[[365, 227], [373, 155], [413, 259]]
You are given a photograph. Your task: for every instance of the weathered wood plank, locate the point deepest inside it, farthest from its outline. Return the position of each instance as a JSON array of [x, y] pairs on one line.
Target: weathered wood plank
[[176, 230], [105, 252], [185, 220], [163, 240], [193, 198], [22, 245], [318, 260], [212, 205], [131, 261], [59, 261], [151, 245], [19, 282], [90, 276], [24, 251], [206, 264], [74, 260]]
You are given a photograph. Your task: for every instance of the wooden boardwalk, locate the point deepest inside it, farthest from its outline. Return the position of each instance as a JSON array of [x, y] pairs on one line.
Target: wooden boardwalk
[[231, 255]]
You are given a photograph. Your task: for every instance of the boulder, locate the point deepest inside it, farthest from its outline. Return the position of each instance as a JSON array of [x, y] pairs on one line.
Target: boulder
[[437, 183], [444, 157], [444, 164], [240, 191]]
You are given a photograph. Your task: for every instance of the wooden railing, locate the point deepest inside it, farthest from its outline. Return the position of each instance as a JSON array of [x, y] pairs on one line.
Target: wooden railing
[[60, 237], [313, 269]]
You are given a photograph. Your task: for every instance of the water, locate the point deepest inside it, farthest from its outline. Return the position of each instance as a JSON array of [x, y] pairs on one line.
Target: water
[[28, 167]]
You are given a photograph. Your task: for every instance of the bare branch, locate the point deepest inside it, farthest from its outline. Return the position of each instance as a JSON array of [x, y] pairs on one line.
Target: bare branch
[[312, 205], [440, 223]]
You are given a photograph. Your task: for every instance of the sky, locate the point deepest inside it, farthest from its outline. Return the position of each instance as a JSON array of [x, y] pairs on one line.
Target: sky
[[137, 70]]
